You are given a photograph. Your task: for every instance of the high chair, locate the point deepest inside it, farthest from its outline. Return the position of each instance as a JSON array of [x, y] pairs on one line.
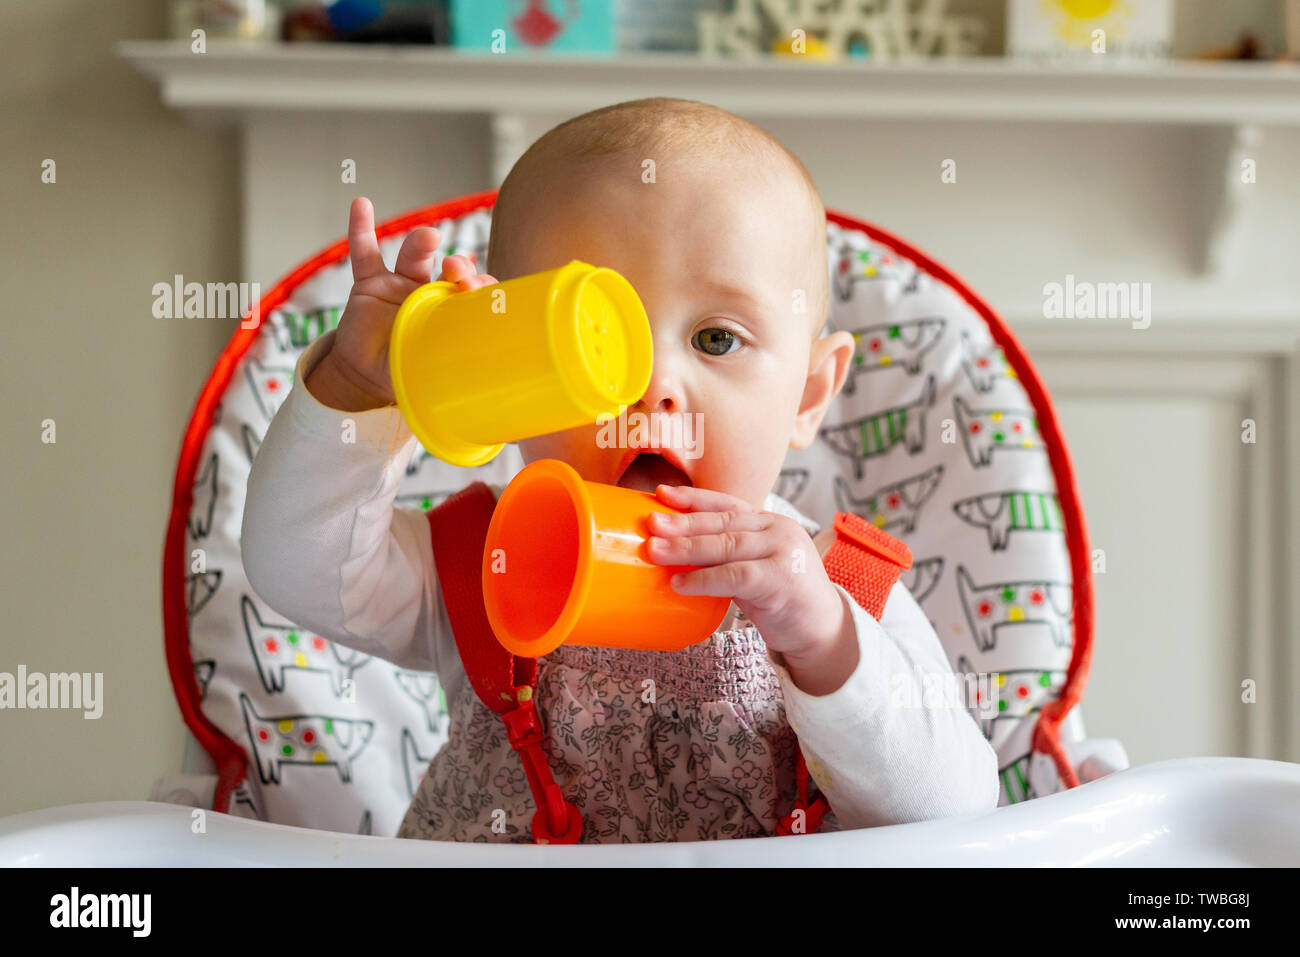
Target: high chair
[[943, 436]]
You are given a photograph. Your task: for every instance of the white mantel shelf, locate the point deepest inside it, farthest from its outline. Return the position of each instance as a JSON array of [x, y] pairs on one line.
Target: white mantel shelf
[[231, 79], [1231, 104]]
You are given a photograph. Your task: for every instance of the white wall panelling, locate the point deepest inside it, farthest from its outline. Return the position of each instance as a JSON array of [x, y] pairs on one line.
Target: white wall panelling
[[1198, 529]]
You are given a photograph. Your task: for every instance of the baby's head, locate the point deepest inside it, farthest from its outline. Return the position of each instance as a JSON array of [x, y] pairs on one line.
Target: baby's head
[[722, 233]]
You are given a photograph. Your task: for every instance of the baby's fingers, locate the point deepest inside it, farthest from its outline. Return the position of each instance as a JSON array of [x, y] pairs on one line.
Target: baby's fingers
[[733, 580], [709, 549], [363, 246], [475, 282], [700, 499], [708, 523], [415, 258], [457, 269]]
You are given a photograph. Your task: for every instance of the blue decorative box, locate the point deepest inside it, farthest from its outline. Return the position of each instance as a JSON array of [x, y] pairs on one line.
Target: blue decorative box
[[518, 26]]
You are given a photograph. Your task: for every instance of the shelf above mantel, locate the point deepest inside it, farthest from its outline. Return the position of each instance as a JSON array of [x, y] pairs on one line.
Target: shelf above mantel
[[1231, 104], [235, 78]]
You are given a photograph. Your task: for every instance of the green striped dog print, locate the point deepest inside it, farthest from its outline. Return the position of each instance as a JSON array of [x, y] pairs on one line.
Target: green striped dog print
[[1015, 781], [873, 435], [1001, 513]]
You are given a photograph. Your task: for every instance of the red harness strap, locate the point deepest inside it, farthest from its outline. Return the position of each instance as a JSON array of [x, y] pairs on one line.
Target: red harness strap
[[863, 560], [458, 528]]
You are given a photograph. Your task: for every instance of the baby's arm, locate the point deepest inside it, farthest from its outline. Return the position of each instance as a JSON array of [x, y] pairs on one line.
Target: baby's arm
[[881, 762], [877, 763], [321, 541]]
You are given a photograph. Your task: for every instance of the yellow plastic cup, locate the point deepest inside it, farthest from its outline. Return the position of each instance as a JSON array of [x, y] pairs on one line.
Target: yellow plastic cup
[[540, 353]]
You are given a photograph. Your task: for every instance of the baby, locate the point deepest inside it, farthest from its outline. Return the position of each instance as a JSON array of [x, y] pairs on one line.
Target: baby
[[722, 233]]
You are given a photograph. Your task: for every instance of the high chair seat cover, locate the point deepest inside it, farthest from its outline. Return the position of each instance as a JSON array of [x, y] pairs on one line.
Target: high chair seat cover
[[943, 436]]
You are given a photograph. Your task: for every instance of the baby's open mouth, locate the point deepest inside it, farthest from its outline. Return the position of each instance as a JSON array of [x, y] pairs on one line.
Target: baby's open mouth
[[649, 470]]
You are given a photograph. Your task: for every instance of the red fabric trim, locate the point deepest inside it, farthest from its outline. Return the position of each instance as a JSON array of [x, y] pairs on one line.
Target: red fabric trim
[[1046, 737], [230, 757]]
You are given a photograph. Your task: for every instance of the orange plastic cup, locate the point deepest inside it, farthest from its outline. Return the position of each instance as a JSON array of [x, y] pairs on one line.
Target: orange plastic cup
[[565, 562]]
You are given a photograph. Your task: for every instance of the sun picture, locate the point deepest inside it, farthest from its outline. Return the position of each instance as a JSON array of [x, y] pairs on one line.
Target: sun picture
[[1074, 21]]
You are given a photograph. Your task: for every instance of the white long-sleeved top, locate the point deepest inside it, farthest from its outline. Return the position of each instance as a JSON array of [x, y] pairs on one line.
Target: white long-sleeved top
[[324, 546]]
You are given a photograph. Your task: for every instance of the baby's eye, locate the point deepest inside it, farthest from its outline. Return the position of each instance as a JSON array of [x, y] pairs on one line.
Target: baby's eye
[[715, 341]]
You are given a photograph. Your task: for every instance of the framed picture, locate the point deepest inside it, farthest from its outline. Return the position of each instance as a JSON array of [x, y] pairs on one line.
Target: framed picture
[[1123, 30]]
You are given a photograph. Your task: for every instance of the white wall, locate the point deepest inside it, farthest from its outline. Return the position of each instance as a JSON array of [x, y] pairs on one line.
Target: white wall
[[139, 196]]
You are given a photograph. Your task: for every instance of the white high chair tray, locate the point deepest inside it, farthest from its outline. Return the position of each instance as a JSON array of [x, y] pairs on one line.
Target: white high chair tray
[[1187, 812]]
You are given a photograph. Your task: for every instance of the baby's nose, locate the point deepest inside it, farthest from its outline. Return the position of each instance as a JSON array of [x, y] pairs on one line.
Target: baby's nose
[[661, 395]]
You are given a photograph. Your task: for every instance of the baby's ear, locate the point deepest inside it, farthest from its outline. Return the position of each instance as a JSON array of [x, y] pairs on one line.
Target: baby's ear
[[828, 367]]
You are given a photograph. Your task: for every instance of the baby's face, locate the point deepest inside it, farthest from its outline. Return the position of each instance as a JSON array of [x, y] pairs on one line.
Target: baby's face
[[725, 268]]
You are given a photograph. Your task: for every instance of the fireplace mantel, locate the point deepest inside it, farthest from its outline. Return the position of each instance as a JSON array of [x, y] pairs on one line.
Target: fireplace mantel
[[1229, 105]]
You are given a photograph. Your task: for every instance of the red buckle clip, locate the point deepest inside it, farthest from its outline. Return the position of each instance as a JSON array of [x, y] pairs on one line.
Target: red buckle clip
[[522, 726], [569, 832], [812, 818], [556, 821], [814, 811]]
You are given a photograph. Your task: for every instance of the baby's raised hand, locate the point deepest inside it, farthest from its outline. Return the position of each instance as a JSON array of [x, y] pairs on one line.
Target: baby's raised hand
[[353, 375], [768, 564]]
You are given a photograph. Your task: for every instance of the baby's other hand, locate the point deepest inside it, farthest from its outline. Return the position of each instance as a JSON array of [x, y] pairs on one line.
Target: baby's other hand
[[767, 563]]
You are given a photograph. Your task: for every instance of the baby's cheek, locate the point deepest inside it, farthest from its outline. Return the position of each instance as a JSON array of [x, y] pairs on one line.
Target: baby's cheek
[[566, 446]]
